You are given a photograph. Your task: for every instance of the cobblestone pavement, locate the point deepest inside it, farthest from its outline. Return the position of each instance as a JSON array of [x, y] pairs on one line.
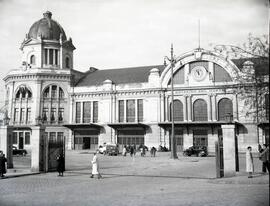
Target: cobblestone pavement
[[142, 181]]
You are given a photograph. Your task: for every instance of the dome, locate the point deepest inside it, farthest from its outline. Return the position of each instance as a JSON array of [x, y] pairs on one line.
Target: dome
[[46, 28]]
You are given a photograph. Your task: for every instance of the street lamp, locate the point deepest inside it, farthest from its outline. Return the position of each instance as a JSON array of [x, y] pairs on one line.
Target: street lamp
[[173, 145], [6, 120]]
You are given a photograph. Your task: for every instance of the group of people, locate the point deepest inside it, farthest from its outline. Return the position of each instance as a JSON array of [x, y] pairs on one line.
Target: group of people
[[3, 161], [132, 150], [263, 156]]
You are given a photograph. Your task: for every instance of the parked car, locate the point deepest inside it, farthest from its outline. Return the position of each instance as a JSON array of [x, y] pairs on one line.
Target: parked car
[[200, 151], [109, 149], [17, 151]]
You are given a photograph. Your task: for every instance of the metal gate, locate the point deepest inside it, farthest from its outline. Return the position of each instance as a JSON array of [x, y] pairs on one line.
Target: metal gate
[[55, 148], [219, 155]]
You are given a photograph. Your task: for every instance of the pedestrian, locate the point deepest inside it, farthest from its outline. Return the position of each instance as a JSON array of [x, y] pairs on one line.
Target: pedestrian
[[131, 151], [124, 152], [3, 161], [60, 164], [249, 162], [153, 151], [264, 157], [95, 166]]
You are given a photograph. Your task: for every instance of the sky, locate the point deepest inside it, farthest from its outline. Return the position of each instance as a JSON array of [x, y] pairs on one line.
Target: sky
[[111, 34]]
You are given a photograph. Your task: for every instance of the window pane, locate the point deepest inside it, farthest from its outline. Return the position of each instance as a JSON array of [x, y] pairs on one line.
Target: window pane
[[45, 114], [56, 57], [52, 137], [32, 60], [46, 93], [22, 115], [178, 111], [140, 110], [27, 138], [130, 110], [60, 136], [15, 138], [50, 56], [200, 110], [86, 112], [16, 115], [28, 116], [200, 138], [54, 91], [45, 56], [225, 109], [78, 112], [53, 114], [121, 111], [61, 93], [95, 111], [61, 114]]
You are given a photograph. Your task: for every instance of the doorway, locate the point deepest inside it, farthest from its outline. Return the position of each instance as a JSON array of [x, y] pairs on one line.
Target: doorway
[[86, 142], [20, 140]]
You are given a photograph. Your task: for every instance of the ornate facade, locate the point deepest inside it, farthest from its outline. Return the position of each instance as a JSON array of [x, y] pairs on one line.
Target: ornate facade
[[129, 105]]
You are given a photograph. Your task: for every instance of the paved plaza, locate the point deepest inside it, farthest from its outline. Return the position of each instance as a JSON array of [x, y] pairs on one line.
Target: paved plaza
[[140, 181]]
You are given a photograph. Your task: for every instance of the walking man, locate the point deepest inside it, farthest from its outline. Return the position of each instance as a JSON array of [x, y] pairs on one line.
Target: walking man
[[264, 157], [3, 161]]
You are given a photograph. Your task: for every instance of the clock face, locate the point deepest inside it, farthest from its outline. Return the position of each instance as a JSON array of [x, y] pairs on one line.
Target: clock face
[[198, 73]]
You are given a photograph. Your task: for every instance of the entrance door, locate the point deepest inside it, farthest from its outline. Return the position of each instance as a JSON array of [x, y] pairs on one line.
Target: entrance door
[[86, 142], [130, 137], [20, 140], [93, 142], [179, 140]]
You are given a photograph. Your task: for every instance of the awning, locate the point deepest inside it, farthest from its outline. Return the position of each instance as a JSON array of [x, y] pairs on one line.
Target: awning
[[90, 126], [127, 125], [263, 124], [21, 127]]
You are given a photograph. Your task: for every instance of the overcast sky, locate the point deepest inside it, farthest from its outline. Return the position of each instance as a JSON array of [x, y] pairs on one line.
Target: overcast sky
[[124, 33]]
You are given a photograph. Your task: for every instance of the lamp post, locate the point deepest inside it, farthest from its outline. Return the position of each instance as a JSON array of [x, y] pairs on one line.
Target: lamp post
[[173, 145]]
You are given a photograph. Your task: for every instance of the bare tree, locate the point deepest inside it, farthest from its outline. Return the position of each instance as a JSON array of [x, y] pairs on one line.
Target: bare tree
[[253, 60]]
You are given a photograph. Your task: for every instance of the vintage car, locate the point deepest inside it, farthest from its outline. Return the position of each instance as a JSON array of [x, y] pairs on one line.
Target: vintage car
[[16, 151], [109, 149], [200, 151]]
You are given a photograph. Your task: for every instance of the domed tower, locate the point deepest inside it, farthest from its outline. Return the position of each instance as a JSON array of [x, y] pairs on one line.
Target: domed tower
[[46, 46], [37, 93]]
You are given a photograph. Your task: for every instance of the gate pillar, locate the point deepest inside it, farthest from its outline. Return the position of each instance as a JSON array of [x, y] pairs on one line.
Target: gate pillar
[[36, 154], [228, 132], [6, 136]]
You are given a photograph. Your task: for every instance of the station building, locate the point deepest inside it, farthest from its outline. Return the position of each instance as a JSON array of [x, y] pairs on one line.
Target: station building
[[129, 105]]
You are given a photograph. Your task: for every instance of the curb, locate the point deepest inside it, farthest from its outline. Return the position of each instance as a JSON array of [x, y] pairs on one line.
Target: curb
[[20, 175]]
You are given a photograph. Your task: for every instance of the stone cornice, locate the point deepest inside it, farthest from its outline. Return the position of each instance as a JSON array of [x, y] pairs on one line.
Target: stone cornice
[[118, 93], [37, 76]]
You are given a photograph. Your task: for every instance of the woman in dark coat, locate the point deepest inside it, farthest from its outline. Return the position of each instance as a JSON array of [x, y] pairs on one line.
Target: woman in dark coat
[[60, 164], [3, 161]]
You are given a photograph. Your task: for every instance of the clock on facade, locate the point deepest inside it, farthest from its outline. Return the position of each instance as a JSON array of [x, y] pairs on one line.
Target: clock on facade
[[198, 73]]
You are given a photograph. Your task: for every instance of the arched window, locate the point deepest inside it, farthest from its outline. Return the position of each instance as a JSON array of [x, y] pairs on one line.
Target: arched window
[[52, 91], [225, 109], [61, 93], [53, 114], [33, 60], [178, 111], [200, 110], [67, 62], [23, 92]]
